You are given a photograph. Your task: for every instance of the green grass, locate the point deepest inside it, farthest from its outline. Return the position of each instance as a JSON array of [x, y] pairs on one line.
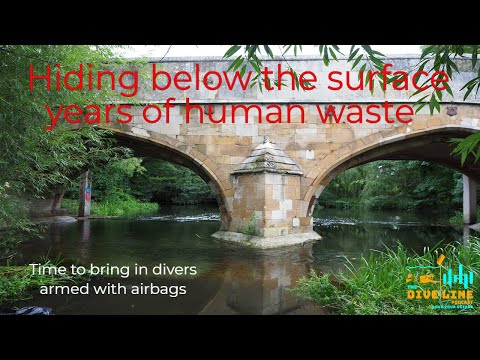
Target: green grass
[[378, 285], [457, 219], [18, 282], [125, 206], [250, 227]]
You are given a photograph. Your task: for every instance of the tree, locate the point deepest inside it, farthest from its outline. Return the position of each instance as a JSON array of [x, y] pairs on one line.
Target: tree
[[388, 184], [364, 57], [170, 183], [35, 162]]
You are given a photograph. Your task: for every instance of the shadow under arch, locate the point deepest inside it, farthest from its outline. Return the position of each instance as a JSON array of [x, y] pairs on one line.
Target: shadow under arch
[[429, 145], [161, 147]]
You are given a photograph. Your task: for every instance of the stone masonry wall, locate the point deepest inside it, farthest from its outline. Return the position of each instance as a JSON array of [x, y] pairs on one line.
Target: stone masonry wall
[[317, 148]]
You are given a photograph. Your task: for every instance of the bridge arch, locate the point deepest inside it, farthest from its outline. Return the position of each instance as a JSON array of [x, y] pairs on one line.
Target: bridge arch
[[428, 144], [163, 147]]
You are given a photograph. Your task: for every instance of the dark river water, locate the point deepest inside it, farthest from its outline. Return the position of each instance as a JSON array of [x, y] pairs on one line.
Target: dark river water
[[229, 279]]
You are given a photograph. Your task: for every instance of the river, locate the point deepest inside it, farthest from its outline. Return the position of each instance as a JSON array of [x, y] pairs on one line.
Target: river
[[229, 279]]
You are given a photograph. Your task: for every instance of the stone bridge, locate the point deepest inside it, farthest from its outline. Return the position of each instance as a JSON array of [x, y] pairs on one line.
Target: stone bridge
[[267, 177]]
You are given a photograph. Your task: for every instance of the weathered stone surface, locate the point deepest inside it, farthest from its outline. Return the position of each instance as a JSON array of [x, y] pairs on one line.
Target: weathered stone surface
[[55, 220], [267, 243]]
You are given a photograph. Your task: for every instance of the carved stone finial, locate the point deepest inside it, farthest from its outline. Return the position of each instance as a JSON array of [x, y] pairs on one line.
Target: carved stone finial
[[268, 157]]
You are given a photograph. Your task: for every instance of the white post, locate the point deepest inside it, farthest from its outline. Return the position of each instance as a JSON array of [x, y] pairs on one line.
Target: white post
[[85, 194], [469, 200]]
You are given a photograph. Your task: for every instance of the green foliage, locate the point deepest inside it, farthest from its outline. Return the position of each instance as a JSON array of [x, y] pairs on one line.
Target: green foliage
[[17, 282], [135, 186], [467, 146], [35, 162], [250, 228], [165, 182], [457, 219], [121, 205], [319, 289], [395, 185], [441, 56], [14, 222], [377, 286], [248, 55], [112, 180]]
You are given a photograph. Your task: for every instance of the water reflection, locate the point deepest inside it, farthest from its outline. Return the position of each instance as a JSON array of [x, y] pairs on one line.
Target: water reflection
[[259, 287], [347, 235], [255, 285], [230, 279]]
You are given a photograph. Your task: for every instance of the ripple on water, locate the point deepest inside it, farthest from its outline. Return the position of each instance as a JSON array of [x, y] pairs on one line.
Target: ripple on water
[[179, 218], [349, 221]]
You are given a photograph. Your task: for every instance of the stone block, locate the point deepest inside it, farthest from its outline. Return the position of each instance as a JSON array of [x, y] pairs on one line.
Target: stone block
[[342, 151], [235, 160], [196, 153], [373, 138], [277, 191], [176, 119], [286, 204], [313, 172], [295, 222], [277, 215], [356, 145], [271, 204], [227, 129], [306, 131], [273, 179], [275, 231], [341, 135], [434, 122], [291, 180], [310, 154], [141, 132], [275, 223], [210, 164], [246, 130], [137, 120], [305, 221], [292, 192], [219, 140]]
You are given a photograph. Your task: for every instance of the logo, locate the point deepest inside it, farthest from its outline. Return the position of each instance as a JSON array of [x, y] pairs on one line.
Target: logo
[[443, 288]]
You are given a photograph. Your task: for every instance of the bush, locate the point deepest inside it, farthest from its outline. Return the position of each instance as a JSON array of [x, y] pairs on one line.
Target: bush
[[378, 285], [126, 205], [457, 219], [164, 182]]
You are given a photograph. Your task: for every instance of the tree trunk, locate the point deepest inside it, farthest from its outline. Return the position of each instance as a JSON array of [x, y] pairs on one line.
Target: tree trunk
[[57, 200]]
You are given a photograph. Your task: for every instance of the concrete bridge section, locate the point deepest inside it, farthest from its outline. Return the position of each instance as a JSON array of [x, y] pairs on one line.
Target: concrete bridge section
[[267, 177]]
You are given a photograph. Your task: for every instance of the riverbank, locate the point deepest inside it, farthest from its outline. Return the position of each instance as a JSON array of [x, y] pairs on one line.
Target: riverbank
[[378, 286], [457, 219], [126, 206], [230, 279], [18, 282]]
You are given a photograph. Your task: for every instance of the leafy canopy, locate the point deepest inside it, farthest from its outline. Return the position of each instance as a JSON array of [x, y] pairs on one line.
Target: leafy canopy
[[35, 162]]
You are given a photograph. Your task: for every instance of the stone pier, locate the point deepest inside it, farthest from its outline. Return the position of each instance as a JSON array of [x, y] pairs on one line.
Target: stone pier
[[267, 202]]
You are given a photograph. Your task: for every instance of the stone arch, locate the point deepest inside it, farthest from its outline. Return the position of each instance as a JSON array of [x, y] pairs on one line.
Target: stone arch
[[147, 143], [429, 144]]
